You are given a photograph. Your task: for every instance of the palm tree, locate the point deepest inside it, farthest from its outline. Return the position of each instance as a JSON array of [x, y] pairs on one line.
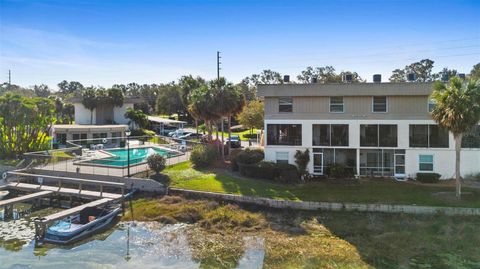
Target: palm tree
[[137, 117], [90, 100], [203, 105], [458, 110]]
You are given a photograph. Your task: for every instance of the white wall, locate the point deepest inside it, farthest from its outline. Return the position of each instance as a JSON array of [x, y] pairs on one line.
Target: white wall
[[444, 159], [119, 113], [82, 115]]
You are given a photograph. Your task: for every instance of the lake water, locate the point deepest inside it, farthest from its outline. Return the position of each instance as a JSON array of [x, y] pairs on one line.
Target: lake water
[[127, 245]]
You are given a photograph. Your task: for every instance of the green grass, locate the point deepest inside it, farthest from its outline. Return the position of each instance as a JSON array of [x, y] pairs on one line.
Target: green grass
[[388, 191], [241, 134], [9, 162]]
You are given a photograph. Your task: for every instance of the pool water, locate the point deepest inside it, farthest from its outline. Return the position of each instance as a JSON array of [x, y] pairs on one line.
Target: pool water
[[137, 156]]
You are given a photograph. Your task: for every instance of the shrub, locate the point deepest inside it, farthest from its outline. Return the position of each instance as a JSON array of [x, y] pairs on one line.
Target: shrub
[[339, 171], [474, 177], [156, 162], [280, 172], [250, 136], [248, 156], [203, 155], [143, 132], [302, 158], [428, 177]]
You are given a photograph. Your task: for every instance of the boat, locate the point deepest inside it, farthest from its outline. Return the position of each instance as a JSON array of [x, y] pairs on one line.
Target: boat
[[84, 224], [3, 194]]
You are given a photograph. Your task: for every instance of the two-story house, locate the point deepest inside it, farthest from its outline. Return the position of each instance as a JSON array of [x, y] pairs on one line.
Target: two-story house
[[375, 129], [104, 123]]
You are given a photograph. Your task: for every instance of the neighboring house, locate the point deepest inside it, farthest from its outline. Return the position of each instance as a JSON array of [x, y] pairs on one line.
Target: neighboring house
[[108, 122], [375, 129]]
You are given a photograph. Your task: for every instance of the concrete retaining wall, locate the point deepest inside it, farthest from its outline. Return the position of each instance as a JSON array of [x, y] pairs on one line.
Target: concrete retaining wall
[[306, 205]]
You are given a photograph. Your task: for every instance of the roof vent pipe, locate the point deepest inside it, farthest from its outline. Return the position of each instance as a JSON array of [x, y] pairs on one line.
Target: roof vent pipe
[[286, 78], [377, 78]]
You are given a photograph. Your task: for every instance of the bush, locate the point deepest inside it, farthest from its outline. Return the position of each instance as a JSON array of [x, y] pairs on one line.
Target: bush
[[339, 171], [302, 158], [156, 162], [250, 136], [428, 177], [248, 156], [280, 172], [143, 132], [203, 155]]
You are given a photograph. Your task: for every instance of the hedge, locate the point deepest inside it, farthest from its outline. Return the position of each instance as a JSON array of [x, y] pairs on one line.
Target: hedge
[[428, 177], [248, 156], [280, 172]]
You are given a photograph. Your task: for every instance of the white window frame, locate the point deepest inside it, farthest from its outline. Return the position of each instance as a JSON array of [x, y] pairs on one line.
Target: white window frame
[[282, 154], [373, 105], [420, 162], [330, 105]]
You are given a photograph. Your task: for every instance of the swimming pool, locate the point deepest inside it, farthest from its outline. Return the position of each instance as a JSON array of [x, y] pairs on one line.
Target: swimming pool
[[137, 156]]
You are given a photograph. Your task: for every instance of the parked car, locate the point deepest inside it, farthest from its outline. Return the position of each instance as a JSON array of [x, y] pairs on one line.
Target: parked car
[[234, 141], [168, 129], [190, 136], [179, 134]]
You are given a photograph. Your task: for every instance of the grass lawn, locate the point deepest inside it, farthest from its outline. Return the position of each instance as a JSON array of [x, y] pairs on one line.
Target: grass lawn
[[9, 162], [183, 175], [241, 134]]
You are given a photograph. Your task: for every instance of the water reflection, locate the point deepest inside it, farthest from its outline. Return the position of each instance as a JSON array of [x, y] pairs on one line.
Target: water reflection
[[145, 245]]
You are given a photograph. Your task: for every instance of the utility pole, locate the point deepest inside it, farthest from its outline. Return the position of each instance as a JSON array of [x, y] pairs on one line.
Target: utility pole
[[222, 150], [218, 64], [9, 78]]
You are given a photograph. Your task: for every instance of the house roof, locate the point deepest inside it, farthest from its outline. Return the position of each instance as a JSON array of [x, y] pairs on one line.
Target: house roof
[[164, 120], [88, 127], [346, 89]]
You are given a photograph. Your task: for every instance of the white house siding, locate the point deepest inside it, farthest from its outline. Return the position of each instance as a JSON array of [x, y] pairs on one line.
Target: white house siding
[[82, 115], [119, 113], [444, 158]]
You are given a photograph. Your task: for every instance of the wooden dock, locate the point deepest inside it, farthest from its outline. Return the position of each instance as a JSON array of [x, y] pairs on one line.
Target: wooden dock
[[25, 198], [62, 190], [74, 210]]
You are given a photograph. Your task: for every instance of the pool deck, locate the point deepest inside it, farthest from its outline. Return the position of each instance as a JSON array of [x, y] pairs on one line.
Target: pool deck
[[70, 166]]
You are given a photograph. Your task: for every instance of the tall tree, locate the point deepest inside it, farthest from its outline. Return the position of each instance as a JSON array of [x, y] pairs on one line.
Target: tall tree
[[169, 100], [42, 90], [265, 77], [475, 73], [457, 109], [326, 74], [446, 74], [116, 96], [24, 124], [90, 100], [422, 70], [203, 106], [252, 115], [72, 87]]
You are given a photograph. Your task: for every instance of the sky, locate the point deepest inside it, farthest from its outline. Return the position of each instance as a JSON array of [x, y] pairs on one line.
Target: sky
[[118, 41]]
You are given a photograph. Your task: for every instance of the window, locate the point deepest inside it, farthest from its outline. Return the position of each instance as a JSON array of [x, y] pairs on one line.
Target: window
[[336, 104], [281, 157], [425, 163], [428, 136], [284, 134], [387, 135], [345, 157], [379, 104], [330, 135], [431, 105], [285, 104], [377, 162], [472, 138], [62, 139], [98, 137], [115, 137], [383, 135]]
